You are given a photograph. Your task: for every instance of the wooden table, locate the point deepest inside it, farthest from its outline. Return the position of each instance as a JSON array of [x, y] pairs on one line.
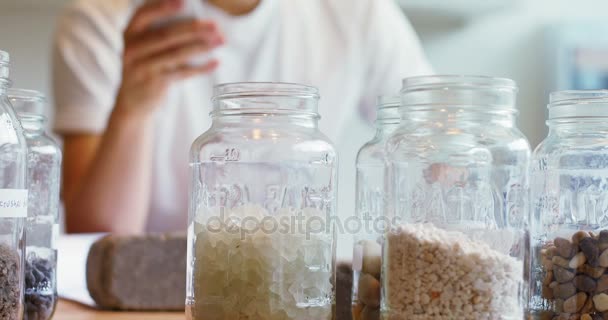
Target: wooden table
[[67, 310]]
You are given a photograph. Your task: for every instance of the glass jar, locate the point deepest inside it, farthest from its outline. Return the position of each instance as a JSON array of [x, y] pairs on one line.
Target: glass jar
[[456, 236], [13, 202], [263, 199], [569, 174], [370, 205], [42, 225]]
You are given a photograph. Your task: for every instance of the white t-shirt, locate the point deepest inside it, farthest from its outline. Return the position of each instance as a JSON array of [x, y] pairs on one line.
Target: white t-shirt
[[351, 50]]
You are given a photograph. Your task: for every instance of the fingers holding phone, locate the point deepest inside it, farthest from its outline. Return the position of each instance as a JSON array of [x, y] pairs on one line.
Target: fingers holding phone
[[160, 45]]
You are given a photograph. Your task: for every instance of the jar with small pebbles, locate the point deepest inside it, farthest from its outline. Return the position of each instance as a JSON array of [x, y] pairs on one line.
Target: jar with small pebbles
[[456, 240], [370, 206], [262, 204], [13, 202], [569, 197], [42, 225]]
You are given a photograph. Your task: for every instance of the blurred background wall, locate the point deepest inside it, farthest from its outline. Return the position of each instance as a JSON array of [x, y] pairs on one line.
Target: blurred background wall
[[506, 38]]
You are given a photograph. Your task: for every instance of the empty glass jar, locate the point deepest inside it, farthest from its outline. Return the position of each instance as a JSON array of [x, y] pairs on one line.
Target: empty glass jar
[[263, 194], [13, 202], [569, 188], [42, 225], [456, 242], [370, 205]]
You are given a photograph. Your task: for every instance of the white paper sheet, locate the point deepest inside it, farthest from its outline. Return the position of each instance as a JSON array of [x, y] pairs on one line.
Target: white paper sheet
[[71, 266]]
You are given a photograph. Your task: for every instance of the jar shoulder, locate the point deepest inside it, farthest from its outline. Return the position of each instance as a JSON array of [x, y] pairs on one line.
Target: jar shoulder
[[372, 152], [572, 152], [263, 145]]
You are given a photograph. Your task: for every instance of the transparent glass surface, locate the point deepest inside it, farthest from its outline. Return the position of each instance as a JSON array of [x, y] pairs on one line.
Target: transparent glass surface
[[569, 184], [455, 243], [370, 206], [42, 225], [263, 195], [13, 202]]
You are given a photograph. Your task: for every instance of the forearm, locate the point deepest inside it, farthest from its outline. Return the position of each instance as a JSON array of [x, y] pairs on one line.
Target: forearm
[[114, 193]]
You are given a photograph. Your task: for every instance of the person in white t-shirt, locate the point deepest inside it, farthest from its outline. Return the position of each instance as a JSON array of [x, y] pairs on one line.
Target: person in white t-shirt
[[129, 101]]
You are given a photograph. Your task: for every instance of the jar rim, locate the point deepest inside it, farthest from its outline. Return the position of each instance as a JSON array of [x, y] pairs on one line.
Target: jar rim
[[388, 101], [488, 95], [26, 95], [27, 101], [578, 104], [388, 107], [263, 89], [256, 98], [459, 81], [5, 57], [5, 60], [31, 117], [566, 97]]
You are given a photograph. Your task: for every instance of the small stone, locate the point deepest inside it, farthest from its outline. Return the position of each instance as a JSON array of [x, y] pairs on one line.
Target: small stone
[[593, 272], [551, 251], [603, 240], [370, 313], [564, 247], [603, 260], [577, 261], [357, 309], [590, 247], [559, 305], [575, 303], [369, 290], [548, 278], [586, 316], [600, 302], [562, 274], [547, 263], [564, 290], [578, 236], [559, 261], [588, 307], [547, 292], [545, 315], [602, 284], [584, 283]]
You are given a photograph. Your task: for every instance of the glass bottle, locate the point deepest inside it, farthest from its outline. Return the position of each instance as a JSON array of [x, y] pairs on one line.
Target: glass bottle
[[42, 225], [370, 205], [569, 183], [455, 247], [13, 202], [262, 204]]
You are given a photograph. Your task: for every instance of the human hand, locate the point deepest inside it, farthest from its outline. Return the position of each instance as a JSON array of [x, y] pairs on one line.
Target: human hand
[[156, 55]]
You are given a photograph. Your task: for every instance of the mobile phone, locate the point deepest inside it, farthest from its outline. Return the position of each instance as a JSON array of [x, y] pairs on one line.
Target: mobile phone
[[187, 12]]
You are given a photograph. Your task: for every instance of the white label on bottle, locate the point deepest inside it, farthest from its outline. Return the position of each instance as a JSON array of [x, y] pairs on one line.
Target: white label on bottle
[[13, 203]]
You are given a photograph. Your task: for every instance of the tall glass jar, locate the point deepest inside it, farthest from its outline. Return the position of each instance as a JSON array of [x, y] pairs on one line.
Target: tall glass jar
[[42, 225], [370, 205], [263, 198], [569, 189], [456, 242], [13, 202]]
